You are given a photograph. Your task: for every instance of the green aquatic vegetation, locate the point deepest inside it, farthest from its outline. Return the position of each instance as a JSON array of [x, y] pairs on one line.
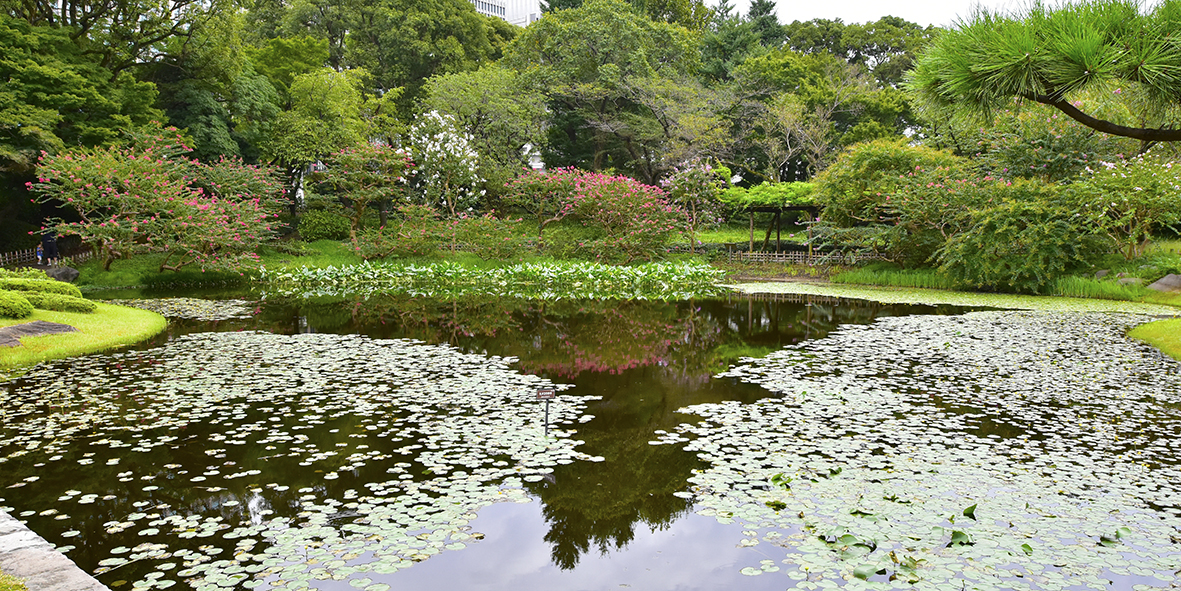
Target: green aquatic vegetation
[[956, 298], [1007, 449], [548, 281], [377, 455]]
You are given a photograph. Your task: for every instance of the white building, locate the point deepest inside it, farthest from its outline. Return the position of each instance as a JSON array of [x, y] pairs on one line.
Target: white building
[[523, 12], [494, 8]]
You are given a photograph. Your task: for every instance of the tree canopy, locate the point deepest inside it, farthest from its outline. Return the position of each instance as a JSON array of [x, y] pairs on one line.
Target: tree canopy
[[1056, 57]]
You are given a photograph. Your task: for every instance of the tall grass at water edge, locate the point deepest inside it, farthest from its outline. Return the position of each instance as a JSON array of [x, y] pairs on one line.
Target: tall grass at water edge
[[1068, 286]]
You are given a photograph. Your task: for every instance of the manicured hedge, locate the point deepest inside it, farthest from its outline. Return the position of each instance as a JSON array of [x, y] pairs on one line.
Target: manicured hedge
[[40, 285], [59, 302], [14, 305]]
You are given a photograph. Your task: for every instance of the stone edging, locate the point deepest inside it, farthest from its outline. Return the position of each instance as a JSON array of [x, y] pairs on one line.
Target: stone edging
[[26, 555]]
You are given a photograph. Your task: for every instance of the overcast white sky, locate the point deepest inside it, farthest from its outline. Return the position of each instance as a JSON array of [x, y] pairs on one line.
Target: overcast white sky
[[940, 13]]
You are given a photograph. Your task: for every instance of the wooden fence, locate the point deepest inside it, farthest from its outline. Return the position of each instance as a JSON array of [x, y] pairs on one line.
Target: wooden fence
[[801, 258], [21, 258]]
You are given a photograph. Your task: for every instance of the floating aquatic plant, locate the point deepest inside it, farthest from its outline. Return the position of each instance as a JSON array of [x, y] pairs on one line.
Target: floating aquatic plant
[[1002, 450], [192, 308], [377, 454]]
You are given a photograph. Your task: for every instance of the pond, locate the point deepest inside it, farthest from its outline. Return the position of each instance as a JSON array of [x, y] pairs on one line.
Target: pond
[[394, 442]]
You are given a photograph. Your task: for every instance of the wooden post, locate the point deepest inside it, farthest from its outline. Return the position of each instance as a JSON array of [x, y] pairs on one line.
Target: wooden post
[[778, 231], [752, 232]]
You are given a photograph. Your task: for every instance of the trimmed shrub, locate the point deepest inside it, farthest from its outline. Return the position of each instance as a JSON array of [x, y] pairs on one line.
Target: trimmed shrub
[[14, 305], [319, 224], [23, 273], [59, 302], [40, 285]]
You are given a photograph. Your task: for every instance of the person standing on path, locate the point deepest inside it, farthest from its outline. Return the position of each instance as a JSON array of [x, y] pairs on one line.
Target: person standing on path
[[49, 244]]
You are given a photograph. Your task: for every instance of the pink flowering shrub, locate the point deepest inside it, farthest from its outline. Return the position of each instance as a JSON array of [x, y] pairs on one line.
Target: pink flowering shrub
[[150, 197], [630, 221], [625, 219]]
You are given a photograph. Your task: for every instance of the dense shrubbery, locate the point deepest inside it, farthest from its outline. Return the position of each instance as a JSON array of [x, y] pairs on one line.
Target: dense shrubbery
[[321, 224], [544, 194], [415, 230], [1130, 200], [630, 221], [14, 305], [855, 190], [991, 232], [488, 237], [59, 302], [1018, 245], [625, 220]]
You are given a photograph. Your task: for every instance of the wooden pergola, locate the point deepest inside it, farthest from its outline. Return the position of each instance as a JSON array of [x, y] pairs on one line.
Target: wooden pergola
[[776, 223]]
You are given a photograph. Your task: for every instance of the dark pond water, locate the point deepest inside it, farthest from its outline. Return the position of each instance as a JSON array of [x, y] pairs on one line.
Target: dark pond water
[[614, 523]]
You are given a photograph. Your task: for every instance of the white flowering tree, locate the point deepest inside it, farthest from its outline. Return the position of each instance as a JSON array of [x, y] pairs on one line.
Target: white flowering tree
[[448, 164]]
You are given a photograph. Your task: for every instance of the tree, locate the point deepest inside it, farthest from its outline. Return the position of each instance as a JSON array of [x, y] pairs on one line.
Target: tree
[[590, 61], [55, 96], [764, 19], [148, 197], [504, 116], [402, 43], [121, 34], [325, 117], [363, 176], [448, 166], [1052, 56]]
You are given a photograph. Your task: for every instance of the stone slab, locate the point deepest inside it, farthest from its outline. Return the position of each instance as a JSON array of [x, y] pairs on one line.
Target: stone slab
[[1170, 282], [26, 555], [10, 336]]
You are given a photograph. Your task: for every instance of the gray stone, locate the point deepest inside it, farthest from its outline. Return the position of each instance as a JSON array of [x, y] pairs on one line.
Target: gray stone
[[10, 336], [1131, 281], [1102, 274], [66, 274], [26, 555], [1170, 282]]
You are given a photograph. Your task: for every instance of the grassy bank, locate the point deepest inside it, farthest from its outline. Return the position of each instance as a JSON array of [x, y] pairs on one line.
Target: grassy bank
[[1068, 286], [1162, 334], [107, 328], [11, 583]]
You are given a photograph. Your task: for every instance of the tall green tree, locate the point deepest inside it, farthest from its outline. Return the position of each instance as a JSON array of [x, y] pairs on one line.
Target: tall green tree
[[54, 95], [764, 18], [1055, 55], [504, 116], [591, 62], [402, 43], [120, 34]]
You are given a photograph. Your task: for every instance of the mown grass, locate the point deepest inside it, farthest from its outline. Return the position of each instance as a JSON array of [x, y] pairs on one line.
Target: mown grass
[[109, 327], [11, 583], [1162, 334]]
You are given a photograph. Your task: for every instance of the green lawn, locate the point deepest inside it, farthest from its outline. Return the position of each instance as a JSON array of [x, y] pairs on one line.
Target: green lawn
[[109, 327], [1162, 334]]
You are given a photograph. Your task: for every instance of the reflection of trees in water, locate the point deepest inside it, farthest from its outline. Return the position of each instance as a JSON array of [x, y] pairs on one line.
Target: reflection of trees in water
[[645, 359]]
